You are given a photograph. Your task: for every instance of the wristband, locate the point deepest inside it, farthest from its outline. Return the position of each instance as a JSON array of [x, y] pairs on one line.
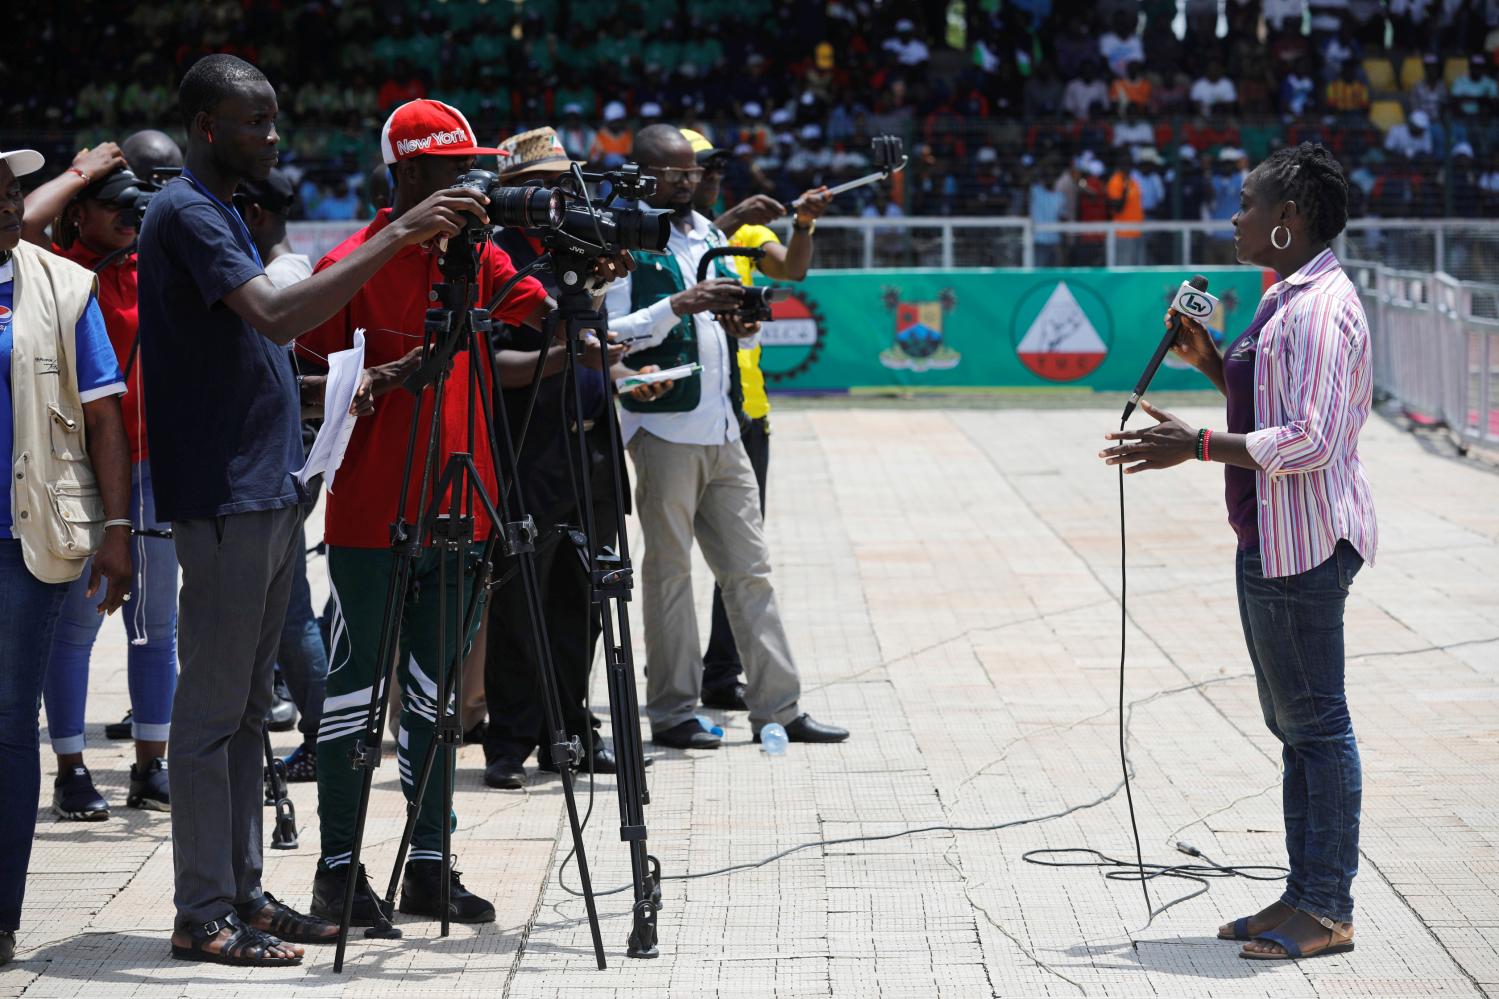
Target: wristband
[[119, 523], [73, 169], [1204, 445], [809, 228]]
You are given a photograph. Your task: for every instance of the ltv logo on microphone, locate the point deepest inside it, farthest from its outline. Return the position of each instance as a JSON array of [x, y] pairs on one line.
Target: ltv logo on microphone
[[1197, 304]]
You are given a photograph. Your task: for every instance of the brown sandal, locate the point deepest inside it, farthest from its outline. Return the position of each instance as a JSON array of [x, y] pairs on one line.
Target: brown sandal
[[1284, 936]]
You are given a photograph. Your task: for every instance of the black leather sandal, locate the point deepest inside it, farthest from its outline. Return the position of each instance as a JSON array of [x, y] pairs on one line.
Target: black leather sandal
[[290, 925], [245, 946]]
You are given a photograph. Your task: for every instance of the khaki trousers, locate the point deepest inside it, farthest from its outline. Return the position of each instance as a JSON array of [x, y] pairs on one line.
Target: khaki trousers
[[706, 492]]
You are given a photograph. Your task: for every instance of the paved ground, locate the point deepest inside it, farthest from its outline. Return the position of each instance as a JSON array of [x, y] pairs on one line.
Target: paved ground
[[950, 578]]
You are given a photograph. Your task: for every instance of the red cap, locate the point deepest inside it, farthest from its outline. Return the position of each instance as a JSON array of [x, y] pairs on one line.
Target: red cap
[[428, 128]]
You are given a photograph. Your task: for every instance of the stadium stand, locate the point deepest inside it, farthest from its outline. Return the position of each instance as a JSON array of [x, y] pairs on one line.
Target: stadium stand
[[992, 97]]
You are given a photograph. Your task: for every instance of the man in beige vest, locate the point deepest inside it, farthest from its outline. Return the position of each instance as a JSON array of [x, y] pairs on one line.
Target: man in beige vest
[[69, 496]]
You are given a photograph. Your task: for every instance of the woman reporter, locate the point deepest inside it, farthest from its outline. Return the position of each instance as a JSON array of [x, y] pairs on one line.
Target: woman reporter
[[96, 230], [61, 428], [1298, 383]]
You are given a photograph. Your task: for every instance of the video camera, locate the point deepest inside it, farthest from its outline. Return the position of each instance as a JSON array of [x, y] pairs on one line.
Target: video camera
[[755, 300], [514, 207], [600, 228], [124, 192]]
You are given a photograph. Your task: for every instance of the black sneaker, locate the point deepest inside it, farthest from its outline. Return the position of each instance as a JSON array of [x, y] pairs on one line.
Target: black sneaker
[[420, 895], [148, 788], [122, 729], [75, 797], [7, 946], [301, 765], [328, 896]]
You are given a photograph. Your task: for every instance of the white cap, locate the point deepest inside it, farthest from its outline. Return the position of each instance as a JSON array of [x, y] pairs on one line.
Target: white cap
[[811, 132], [781, 116], [905, 24], [744, 148], [572, 108], [1462, 149], [23, 161], [1187, 152], [1420, 119], [988, 154], [752, 109], [1095, 168], [614, 111], [650, 109], [1230, 154]]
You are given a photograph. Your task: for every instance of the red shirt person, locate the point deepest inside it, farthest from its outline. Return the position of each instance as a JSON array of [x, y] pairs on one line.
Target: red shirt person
[[427, 146]]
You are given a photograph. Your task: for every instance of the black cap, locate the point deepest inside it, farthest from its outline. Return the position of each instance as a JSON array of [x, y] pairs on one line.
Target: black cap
[[274, 194]]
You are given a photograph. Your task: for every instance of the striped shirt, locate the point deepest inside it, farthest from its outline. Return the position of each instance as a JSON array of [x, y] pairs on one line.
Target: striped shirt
[[1313, 378]]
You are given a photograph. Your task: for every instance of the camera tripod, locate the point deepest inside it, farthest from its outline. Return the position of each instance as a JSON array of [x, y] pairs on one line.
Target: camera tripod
[[455, 326], [611, 577]]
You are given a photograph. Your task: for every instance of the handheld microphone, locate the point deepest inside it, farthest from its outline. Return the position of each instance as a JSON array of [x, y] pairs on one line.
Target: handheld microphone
[[1192, 299]]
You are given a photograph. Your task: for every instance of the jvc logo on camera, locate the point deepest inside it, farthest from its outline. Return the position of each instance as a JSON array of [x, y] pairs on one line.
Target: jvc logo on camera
[[456, 137]]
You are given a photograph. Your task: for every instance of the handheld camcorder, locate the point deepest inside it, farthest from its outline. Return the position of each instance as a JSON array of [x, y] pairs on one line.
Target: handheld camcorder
[[755, 300]]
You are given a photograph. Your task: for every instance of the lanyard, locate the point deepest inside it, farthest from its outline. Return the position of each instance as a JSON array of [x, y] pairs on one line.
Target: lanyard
[[229, 214]]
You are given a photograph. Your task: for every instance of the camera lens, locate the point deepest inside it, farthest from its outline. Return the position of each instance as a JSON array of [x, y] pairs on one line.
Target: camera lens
[[525, 207], [644, 229]]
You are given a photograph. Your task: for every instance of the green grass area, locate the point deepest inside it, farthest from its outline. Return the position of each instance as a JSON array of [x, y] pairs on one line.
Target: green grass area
[[981, 398]]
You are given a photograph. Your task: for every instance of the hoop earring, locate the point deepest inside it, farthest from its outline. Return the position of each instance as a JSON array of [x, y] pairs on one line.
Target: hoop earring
[[1280, 246]]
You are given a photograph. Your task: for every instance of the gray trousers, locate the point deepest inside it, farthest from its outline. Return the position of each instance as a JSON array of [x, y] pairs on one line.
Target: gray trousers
[[707, 492], [236, 578]]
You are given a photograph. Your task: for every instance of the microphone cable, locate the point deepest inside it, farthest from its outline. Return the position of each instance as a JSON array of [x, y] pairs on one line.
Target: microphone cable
[[1129, 795]]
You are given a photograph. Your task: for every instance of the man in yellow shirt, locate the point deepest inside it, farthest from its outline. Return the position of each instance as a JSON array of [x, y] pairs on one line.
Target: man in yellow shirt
[[744, 225]]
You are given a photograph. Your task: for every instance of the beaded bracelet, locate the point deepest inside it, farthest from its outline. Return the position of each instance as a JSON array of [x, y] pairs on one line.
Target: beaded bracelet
[[1204, 445]]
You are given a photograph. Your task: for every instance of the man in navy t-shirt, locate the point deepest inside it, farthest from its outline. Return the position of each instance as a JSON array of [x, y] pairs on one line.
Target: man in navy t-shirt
[[222, 409]]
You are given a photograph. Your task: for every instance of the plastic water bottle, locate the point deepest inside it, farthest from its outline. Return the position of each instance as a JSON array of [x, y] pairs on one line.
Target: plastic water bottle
[[708, 726], [773, 739]]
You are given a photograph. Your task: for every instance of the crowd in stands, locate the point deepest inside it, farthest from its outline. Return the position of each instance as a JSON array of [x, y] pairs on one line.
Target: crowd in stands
[[1056, 109]]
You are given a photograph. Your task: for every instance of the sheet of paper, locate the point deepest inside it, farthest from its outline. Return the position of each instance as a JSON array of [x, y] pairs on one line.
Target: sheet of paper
[[344, 368], [669, 375]]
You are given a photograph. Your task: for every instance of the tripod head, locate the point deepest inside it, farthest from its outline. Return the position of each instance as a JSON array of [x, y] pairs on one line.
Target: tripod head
[[445, 333]]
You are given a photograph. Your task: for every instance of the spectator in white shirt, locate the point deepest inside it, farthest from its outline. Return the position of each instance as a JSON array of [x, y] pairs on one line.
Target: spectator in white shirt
[[1214, 91], [905, 46], [1430, 93], [1086, 95], [1121, 46], [1411, 138], [1283, 16]]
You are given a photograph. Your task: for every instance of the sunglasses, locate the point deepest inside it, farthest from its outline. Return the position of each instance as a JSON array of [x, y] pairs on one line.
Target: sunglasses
[[672, 175]]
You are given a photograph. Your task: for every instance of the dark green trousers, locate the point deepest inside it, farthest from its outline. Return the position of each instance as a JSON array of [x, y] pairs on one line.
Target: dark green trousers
[[360, 577]]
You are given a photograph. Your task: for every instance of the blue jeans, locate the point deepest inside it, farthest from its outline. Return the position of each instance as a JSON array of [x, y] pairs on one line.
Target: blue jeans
[[301, 656], [150, 623], [1294, 628], [27, 620]]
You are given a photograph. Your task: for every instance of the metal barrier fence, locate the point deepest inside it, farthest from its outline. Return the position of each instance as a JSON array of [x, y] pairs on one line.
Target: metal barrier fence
[[1436, 347], [1468, 250]]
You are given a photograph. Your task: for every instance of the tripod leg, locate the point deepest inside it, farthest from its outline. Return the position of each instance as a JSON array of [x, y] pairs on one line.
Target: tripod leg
[[366, 755], [611, 581], [503, 453]]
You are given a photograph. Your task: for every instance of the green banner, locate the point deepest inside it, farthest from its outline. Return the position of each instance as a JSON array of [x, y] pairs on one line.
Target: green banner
[[975, 329]]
